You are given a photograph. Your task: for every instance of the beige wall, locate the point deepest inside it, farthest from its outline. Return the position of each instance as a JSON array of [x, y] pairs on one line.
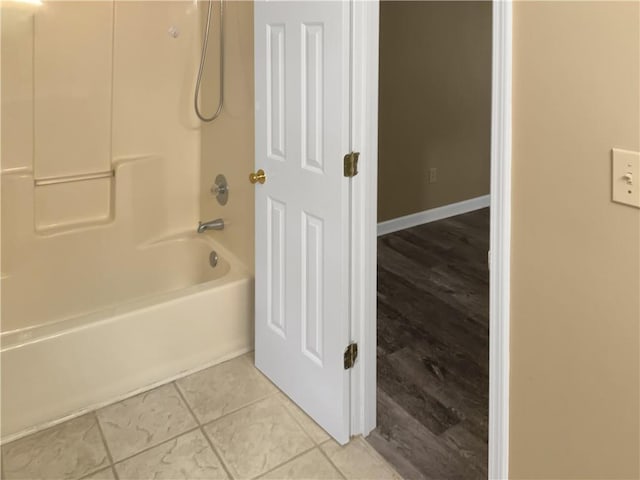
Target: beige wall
[[227, 143], [435, 104], [576, 255]]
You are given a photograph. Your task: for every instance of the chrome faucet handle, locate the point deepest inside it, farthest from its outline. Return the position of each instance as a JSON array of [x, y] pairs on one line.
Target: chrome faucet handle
[[220, 189]]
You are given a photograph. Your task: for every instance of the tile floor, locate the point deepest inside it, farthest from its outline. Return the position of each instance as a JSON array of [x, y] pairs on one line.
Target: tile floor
[[227, 421]]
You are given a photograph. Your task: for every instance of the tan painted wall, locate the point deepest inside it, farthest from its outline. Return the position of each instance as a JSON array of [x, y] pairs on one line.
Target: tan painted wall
[[227, 143], [576, 255], [435, 104]]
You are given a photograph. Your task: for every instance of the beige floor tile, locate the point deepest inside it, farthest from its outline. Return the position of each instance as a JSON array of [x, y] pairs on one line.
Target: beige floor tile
[[224, 388], [357, 460], [66, 451], [316, 433], [144, 421], [187, 457], [258, 438], [106, 474], [312, 465]]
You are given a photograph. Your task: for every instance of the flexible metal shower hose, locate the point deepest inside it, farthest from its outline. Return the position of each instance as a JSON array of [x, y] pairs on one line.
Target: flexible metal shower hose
[[203, 59]]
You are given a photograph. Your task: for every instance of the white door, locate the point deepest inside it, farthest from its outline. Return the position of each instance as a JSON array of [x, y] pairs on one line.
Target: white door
[[302, 209]]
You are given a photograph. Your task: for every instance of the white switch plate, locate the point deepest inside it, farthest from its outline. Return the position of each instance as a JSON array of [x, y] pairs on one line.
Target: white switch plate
[[626, 177]]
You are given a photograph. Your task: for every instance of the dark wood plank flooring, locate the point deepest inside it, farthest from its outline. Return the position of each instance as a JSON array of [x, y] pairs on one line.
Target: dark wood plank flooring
[[433, 348]]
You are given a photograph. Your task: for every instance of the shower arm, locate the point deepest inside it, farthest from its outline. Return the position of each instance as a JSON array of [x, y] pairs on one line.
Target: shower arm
[[203, 59]]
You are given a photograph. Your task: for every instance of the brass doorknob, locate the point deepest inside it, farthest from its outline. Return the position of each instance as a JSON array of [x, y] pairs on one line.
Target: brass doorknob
[[258, 177]]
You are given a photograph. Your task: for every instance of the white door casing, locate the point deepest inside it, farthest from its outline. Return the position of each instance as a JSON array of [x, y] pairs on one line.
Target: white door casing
[[365, 138], [302, 210]]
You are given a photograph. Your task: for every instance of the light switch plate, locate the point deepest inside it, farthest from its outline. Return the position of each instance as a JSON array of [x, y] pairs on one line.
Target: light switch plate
[[625, 181]]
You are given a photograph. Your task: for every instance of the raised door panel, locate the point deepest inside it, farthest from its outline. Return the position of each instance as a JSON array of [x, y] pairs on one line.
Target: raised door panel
[[276, 248], [312, 97], [312, 287], [276, 117]]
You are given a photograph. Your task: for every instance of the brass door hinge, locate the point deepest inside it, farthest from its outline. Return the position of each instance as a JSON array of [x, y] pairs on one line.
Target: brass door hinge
[[350, 355], [351, 164]]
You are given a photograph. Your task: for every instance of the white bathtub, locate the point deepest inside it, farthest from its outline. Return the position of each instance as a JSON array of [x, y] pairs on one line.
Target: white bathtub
[[94, 340]]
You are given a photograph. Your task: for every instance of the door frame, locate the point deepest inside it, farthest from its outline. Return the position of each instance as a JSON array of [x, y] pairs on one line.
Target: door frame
[[364, 139]]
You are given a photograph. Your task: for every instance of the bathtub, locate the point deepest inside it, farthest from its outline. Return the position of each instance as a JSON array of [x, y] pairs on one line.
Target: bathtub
[[88, 340]]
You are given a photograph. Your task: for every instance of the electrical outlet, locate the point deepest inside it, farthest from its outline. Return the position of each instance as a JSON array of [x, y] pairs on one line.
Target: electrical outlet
[[433, 175], [626, 177]]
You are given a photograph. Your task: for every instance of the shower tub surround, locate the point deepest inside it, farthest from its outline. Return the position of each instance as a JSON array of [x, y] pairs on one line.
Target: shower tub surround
[[107, 290], [227, 421], [118, 307]]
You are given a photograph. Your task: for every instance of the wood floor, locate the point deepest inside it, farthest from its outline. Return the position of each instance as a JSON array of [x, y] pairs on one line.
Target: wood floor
[[433, 348]]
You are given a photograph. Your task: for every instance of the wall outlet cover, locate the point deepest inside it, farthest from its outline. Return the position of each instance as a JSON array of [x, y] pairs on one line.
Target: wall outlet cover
[[433, 175]]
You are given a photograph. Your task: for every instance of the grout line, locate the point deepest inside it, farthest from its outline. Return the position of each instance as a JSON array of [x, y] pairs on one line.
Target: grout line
[[313, 442], [184, 400], [100, 470], [373, 451], [284, 406], [377, 454], [231, 412], [295, 457], [331, 461], [317, 444], [288, 410], [225, 467], [150, 447], [104, 442]]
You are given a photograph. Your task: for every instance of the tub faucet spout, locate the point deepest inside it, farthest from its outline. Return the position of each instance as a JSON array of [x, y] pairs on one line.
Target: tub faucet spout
[[217, 224]]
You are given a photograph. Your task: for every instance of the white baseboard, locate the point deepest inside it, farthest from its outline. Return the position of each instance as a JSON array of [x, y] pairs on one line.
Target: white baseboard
[[433, 214]]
